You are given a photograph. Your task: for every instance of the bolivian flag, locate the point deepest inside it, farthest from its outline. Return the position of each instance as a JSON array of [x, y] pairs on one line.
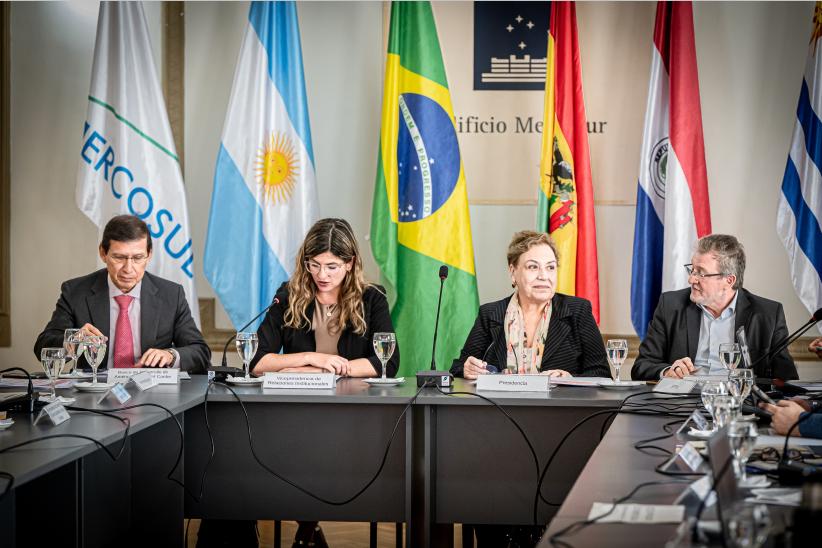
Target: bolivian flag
[[420, 217], [566, 197]]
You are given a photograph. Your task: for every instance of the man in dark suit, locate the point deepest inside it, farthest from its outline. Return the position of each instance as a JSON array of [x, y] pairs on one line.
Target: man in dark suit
[[689, 325], [145, 318]]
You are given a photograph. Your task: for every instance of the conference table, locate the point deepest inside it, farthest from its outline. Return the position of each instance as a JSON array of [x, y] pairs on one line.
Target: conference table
[[453, 458]]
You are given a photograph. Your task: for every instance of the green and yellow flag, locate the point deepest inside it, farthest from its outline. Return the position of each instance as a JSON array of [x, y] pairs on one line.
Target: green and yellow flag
[[420, 217]]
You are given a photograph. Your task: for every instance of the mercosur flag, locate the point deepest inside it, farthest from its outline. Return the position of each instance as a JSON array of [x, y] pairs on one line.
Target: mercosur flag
[[128, 162]]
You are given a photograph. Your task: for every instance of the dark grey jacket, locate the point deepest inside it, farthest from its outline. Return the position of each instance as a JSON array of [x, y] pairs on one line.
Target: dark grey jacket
[[165, 319], [674, 333]]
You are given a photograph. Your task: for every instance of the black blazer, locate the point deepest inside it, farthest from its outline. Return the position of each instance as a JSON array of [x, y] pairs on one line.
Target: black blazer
[[165, 319], [674, 333], [274, 336], [573, 343]]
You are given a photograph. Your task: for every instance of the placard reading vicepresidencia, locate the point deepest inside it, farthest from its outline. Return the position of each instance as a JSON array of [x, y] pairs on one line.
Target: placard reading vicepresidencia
[[301, 381]]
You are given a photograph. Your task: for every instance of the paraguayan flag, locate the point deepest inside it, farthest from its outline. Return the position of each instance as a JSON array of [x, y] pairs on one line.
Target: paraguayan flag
[[265, 196], [128, 162], [800, 202]]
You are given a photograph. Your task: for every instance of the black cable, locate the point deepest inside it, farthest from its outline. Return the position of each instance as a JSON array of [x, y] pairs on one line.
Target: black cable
[[111, 455], [299, 487], [180, 452], [579, 525], [524, 436]]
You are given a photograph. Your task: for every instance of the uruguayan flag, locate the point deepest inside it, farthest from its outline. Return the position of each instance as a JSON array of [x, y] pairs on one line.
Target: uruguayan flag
[[265, 196], [800, 203]]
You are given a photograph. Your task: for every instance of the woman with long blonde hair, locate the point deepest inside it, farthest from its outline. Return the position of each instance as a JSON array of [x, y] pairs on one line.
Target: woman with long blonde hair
[[324, 318]]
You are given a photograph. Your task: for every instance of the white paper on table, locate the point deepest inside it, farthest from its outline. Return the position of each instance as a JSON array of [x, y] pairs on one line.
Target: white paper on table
[[636, 513], [779, 441], [579, 381]]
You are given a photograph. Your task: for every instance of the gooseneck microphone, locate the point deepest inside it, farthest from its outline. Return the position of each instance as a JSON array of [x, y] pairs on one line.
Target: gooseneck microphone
[[224, 362], [443, 275], [816, 318]]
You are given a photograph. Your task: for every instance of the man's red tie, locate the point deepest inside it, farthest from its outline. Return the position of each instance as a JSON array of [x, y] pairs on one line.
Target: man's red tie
[[123, 339]]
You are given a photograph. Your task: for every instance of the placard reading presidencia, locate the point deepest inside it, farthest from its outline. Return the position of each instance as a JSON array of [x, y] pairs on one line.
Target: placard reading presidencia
[[514, 383]]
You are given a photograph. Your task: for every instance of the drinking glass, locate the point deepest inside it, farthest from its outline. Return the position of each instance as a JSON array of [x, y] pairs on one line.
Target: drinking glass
[[710, 390], [94, 350], [747, 525], [246, 343], [729, 355], [723, 410], [617, 350], [71, 340], [384, 344], [53, 360], [740, 382], [742, 435]]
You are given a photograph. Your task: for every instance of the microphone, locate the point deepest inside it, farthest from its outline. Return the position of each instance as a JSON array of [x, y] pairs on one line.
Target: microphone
[[18, 401], [441, 379], [817, 316], [443, 275], [224, 363]]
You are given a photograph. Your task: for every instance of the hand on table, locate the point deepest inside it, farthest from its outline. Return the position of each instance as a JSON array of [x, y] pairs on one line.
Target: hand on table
[[473, 368], [785, 414], [680, 368]]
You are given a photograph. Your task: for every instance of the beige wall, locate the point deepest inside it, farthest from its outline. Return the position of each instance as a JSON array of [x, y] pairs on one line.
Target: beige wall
[[751, 58]]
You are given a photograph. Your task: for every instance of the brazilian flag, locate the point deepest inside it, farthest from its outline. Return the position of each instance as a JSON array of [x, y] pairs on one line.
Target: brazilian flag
[[420, 217]]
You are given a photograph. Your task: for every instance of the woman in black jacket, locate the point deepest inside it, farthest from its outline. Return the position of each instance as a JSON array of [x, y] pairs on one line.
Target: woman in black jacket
[[535, 330], [324, 318]]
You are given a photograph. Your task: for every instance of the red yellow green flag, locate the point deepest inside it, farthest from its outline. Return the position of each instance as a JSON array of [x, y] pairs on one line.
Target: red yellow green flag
[[566, 196]]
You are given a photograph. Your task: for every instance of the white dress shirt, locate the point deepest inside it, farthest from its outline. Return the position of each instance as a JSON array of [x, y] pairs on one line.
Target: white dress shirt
[[712, 333]]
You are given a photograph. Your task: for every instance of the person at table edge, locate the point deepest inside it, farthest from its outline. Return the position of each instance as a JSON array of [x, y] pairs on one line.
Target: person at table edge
[[146, 318], [324, 318], [535, 329], [688, 325]]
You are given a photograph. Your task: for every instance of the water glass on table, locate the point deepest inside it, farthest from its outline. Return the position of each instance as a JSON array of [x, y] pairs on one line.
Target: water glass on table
[[617, 351], [71, 344], [53, 360], [94, 350], [384, 344], [742, 435], [246, 343]]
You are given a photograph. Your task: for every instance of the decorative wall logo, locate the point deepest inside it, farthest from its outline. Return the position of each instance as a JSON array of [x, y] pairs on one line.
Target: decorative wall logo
[[277, 168], [659, 167], [510, 45]]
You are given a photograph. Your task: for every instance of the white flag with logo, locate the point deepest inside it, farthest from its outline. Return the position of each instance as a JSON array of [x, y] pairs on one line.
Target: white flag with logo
[[128, 162]]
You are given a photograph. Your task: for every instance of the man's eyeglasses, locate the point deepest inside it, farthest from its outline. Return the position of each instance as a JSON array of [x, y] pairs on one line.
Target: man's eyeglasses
[[316, 268], [689, 268], [123, 259]]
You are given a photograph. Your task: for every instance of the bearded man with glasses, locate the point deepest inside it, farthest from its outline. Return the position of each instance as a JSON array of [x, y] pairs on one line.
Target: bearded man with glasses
[[689, 324], [145, 318]]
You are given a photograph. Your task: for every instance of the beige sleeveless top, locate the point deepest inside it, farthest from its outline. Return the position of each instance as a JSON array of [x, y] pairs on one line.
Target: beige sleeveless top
[[325, 339]]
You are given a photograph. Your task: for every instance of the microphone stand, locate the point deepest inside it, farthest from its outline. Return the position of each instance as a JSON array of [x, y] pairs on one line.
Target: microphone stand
[[437, 324]]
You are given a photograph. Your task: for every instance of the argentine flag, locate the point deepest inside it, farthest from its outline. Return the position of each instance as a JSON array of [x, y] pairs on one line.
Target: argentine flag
[[672, 208], [800, 203], [265, 195]]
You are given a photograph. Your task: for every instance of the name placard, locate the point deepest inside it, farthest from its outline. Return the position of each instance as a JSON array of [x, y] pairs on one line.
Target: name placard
[[690, 456], [163, 375], [698, 420], [118, 391], [669, 385], [301, 381], [143, 381], [514, 383], [55, 412]]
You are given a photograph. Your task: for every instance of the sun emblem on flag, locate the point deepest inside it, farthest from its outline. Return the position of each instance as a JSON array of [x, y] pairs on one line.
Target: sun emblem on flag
[[277, 168], [817, 26]]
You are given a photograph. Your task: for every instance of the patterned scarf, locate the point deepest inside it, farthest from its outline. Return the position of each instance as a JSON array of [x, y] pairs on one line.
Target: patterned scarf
[[520, 357]]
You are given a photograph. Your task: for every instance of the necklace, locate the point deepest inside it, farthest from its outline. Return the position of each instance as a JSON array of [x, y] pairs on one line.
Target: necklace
[[329, 310]]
